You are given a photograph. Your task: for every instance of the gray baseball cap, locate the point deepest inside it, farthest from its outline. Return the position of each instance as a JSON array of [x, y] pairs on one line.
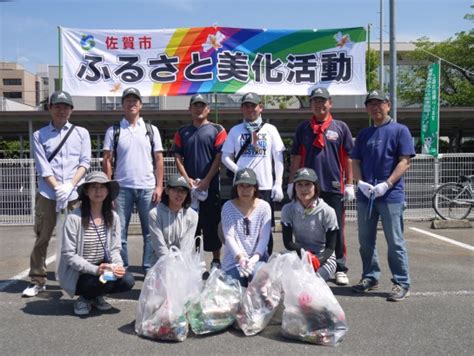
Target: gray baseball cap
[[198, 98], [376, 95], [245, 176], [320, 93], [305, 174], [177, 181], [251, 98], [131, 91], [61, 97]]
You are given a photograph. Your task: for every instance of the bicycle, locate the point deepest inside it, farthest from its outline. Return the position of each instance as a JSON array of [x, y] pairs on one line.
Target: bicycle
[[454, 200]]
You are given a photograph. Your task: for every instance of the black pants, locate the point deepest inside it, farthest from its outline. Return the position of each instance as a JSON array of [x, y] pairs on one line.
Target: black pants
[[89, 286], [209, 218], [335, 201], [267, 196]]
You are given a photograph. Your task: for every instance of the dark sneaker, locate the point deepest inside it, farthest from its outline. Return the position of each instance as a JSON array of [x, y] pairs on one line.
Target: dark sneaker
[[398, 293], [100, 303], [82, 306], [215, 264], [365, 285]]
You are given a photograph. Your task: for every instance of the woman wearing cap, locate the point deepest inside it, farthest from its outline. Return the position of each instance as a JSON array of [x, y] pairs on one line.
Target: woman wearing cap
[[246, 224], [312, 222], [173, 222], [90, 265]]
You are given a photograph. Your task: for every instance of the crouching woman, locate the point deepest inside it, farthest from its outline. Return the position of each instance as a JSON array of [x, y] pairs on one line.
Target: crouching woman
[[173, 222], [312, 222], [90, 265], [246, 224]]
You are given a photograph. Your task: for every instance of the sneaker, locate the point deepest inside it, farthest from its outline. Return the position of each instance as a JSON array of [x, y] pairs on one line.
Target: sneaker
[[33, 290], [82, 306], [341, 279], [365, 285], [398, 293], [215, 264], [100, 303]]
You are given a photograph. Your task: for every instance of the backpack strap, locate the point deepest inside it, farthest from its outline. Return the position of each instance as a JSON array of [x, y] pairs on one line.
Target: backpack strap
[[115, 144], [149, 133]]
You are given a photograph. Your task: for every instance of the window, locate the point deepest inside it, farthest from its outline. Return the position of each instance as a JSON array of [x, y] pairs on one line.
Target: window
[[13, 95], [12, 81]]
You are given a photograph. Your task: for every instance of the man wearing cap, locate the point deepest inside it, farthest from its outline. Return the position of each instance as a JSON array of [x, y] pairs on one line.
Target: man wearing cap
[[138, 168], [325, 145], [197, 151], [381, 156], [62, 153], [261, 144]]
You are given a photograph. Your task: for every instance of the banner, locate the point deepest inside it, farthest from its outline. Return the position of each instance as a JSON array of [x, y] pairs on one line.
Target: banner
[[213, 60], [430, 114]]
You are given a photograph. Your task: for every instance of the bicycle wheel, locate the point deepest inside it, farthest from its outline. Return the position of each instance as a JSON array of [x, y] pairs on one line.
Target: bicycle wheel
[[452, 201]]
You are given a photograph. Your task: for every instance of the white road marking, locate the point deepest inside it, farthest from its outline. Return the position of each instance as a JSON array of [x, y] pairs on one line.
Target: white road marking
[[445, 239], [23, 274]]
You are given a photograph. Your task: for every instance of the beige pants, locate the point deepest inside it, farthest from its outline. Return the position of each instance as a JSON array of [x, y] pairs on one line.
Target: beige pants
[[45, 222]]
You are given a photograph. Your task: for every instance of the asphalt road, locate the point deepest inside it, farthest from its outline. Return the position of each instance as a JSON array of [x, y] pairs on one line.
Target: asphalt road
[[437, 319]]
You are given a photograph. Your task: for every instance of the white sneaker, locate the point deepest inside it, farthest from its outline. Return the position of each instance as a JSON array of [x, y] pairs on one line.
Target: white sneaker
[[341, 279], [82, 306], [33, 290], [100, 303]]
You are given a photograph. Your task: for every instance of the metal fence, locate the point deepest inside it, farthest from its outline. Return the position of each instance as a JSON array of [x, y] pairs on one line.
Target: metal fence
[[18, 185]]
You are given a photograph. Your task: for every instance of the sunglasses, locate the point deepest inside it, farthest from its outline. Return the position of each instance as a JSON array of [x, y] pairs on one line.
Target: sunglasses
[[247, 226]]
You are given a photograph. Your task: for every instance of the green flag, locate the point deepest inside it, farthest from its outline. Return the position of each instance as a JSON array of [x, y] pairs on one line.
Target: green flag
[[430, 115]]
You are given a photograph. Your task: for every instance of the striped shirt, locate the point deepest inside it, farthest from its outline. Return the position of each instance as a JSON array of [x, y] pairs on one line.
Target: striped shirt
[[93, 250], [242, 237]]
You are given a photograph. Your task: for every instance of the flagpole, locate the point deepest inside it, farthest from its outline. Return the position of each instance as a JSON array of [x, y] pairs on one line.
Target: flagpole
[[60, 70], [436, 159]]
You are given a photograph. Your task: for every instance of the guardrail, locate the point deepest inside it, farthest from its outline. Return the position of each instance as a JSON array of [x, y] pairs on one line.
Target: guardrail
[[18, 185]]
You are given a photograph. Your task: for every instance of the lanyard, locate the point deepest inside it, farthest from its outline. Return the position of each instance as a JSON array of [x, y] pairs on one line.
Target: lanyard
[[107, 256]]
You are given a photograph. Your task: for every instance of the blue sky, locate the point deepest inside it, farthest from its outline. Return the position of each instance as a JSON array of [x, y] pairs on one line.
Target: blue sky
[[28, 28]]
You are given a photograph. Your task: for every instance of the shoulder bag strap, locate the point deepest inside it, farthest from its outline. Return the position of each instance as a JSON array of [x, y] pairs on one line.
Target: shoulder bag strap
[[55, 152], [245, 145]]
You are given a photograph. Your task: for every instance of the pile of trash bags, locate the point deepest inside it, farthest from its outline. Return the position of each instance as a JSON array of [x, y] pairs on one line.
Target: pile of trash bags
[[174, 299]]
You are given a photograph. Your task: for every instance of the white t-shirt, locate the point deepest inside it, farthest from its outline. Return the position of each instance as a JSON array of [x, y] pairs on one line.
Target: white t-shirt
[[134, 166], [259, 156]]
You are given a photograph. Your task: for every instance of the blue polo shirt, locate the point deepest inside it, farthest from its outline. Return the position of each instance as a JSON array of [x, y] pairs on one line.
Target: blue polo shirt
[[379, 150], [199, 146], [329, 163]]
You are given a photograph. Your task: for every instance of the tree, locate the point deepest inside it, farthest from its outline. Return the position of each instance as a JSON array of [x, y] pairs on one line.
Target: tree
[[457, 68]]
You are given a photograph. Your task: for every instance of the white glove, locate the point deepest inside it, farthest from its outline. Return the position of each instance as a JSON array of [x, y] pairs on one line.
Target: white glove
[[289, 190], [365, 188], [380, 189], [252, 262], [63, 191], [349, 194], [61, 204], [277, 192], [243, 267]]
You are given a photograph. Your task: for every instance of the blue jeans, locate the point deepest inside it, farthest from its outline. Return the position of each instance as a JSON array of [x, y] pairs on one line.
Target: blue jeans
[[391, 215], [244, 281], [124, 204]]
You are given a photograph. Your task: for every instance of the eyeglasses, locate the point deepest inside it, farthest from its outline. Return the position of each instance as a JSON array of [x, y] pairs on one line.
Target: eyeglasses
[[247, 226]]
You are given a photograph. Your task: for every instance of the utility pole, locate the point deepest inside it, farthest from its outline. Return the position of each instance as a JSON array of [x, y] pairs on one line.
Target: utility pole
[[393, 61], [381, 71]]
